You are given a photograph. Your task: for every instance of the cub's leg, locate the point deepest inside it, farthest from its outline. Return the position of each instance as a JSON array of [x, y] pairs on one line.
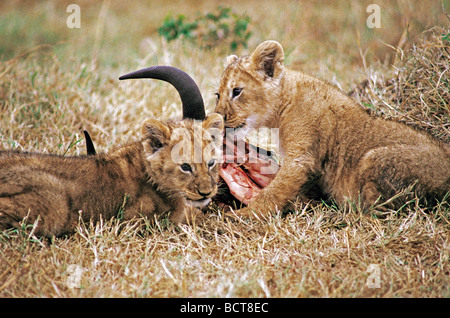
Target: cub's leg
[[50, 212], [42, 201], [384, 172], [287, 185]]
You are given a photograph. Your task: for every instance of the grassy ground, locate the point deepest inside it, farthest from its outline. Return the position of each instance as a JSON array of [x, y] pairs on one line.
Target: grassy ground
[[56, 81]]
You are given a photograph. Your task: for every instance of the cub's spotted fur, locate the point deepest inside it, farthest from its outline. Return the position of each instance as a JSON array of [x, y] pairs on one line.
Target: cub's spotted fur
[[142, 178], [326, 139]]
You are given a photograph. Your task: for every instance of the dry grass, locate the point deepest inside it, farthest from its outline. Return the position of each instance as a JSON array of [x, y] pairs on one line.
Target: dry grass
[[304, 254], [49, 93], [417, 90]]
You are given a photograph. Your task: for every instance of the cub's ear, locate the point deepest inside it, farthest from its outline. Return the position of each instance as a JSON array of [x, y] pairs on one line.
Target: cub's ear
[[230, 59], [155, 134], [214, 121], [268, 58]]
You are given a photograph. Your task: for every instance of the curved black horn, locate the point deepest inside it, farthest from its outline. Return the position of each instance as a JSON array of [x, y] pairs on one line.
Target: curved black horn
[[90, 149], [191, 98]]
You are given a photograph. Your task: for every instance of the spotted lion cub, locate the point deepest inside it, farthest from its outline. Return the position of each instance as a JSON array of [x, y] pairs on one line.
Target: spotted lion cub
[[326, 139], [173, 170]]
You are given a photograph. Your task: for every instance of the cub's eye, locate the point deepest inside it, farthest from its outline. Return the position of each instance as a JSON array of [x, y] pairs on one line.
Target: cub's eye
[[217, 96], [211, 163], [236, 91], [186, 167]]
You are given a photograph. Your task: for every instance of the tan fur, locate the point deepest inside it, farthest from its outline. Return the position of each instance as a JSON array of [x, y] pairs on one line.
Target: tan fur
[[326, 138], [140, 178]]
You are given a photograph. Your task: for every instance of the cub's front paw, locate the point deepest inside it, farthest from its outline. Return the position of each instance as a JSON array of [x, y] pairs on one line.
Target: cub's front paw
[[189, 215], [194, 215]]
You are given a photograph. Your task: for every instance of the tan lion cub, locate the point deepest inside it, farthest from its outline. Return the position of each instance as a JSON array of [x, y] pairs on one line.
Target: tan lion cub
[[326, 139], [147, 177]]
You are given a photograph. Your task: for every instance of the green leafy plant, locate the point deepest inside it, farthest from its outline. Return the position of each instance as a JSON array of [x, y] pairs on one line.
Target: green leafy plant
[[210, 30], [174, 28]]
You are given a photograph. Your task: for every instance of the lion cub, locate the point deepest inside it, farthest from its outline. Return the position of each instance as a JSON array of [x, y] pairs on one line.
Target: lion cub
[[151, 176], [326, 139]]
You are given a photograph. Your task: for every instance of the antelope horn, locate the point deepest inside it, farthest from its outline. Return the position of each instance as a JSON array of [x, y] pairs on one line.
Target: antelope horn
[[90, 149], [190, 95]]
